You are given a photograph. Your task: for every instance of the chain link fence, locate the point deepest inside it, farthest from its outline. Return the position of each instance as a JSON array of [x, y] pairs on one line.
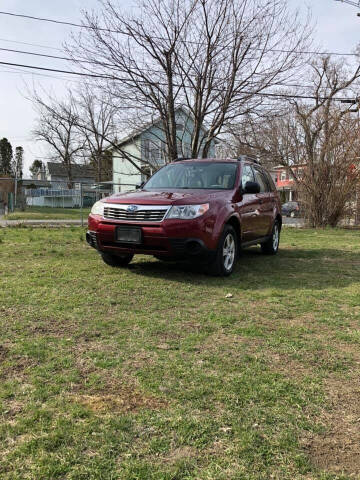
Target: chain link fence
[[59, 202]]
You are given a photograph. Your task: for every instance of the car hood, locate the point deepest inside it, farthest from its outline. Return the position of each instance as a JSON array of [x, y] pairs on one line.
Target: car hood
[[169, 197]]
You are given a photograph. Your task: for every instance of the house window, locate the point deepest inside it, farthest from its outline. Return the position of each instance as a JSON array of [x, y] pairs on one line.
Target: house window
[[187, 150], [155, 152], [180, 128], [152, 151], [180, 150], [283, 176], [147, 148]]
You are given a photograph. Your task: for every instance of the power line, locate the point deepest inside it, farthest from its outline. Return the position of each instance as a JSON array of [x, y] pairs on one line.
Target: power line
[[11, 50], [89, 27], [18, 71], [57, 70], [60, 22], [264, 94], [36, 54], [30, 44], [350, 2]]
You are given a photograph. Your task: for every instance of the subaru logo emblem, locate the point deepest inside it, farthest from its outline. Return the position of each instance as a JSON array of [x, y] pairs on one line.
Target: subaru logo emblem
[[132, 208]]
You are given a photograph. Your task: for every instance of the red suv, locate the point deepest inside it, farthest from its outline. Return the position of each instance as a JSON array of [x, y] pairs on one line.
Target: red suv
[[204, 210]]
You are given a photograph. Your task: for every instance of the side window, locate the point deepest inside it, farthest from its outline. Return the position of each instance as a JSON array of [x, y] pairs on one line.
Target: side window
[[270, 181], [247, 175], [262, 181]]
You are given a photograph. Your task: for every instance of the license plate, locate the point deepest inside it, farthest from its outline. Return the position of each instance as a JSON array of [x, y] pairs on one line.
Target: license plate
[[128, 235]]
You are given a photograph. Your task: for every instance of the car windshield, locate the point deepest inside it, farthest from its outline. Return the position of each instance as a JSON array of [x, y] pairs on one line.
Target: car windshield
[[199, 175]]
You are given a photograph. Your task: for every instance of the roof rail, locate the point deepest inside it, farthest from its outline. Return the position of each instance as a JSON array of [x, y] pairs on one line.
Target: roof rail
[[249, 158]]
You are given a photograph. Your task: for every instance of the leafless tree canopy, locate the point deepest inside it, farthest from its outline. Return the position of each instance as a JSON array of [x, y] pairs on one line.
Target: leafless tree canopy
[[57, 127], [213, 56], [321, 134], [96, 124]]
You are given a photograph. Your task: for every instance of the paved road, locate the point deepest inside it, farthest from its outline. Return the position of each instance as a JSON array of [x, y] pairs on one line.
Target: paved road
[[38, 223], [293, 222]]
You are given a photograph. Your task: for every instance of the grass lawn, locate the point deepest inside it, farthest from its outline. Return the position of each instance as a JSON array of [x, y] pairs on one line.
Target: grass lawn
[[48, 213], [152, 373]]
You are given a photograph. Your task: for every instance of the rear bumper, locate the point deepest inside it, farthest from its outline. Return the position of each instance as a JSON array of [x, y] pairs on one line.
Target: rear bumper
[[168, 239]]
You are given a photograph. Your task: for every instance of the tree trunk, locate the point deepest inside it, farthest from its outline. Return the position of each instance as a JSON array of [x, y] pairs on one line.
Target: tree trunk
[[173, 153]]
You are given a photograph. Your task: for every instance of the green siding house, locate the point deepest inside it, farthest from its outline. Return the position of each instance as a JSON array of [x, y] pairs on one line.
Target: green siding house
[[147, 146]]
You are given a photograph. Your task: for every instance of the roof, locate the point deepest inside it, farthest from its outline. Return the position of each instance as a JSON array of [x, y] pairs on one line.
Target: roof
[[148, 125], [286, 167], [35, 182], [219, 160], [59, 170], [243, 158]]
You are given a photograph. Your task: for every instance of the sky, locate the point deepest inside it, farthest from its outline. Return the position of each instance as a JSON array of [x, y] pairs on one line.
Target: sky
[[337, 29]]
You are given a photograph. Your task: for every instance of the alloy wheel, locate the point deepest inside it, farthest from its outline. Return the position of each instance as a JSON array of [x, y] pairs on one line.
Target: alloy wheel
[[229, 250], [275, 238]]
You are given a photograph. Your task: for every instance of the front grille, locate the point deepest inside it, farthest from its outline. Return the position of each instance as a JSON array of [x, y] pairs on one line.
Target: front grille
[[143, 214]]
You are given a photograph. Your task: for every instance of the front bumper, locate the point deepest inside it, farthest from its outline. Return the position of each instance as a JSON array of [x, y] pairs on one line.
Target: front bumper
[[169, 238]]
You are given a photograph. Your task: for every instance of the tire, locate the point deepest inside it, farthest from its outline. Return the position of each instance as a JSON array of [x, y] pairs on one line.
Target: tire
[[226, 253], [117, 261], [271, 246]]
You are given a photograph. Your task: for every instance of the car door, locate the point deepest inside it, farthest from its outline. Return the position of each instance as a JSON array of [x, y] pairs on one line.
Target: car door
[[248, 207], [266, 208]]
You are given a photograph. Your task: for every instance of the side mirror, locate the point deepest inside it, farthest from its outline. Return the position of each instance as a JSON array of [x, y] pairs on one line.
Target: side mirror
[[139, 185], [251, 187]]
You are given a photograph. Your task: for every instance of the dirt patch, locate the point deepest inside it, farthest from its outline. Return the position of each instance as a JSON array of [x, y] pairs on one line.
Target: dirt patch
[[180, 454], [140, 360], [220, 340], [50, 326], [18, 365], [9, 311], [126, 399], [282, 363], [13, 408], [338, 448], [3, 352]]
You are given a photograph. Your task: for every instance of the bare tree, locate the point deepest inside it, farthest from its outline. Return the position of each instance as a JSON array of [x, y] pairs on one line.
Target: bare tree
[[57, 127], [323, 136], [96, 123], [215, 57]]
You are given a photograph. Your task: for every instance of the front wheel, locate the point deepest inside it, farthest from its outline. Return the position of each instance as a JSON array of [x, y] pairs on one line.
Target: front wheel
[[116, 260], [271, 246], [226, 253]]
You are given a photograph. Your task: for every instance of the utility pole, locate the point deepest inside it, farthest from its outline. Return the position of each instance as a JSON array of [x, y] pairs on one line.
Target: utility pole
[[356, 101], [15, 193]]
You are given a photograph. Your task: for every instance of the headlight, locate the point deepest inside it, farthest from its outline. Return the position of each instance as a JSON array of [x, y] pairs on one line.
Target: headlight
[[98, 208], [187, 212]]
